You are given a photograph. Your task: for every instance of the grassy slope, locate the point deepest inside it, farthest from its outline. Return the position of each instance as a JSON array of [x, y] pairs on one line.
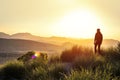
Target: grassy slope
[[75, 64]]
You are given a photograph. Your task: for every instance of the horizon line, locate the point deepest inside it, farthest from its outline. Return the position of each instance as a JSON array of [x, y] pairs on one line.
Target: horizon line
[[53, 36]]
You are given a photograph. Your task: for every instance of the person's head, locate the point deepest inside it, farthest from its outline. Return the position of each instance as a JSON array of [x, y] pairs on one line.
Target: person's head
[[98, 30]]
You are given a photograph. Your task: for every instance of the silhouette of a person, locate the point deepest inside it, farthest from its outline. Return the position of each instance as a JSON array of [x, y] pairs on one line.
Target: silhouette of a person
[[98, 41]]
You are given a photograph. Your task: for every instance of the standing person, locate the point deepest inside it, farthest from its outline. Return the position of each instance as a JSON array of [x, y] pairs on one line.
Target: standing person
[[98, 41]]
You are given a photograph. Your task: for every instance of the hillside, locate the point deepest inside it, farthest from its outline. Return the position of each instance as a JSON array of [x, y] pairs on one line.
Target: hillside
[[76, 63], [19, 45]]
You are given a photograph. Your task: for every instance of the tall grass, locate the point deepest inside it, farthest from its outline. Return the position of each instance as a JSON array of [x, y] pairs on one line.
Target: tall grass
[[57, 71], [83, 64], [86, 74]]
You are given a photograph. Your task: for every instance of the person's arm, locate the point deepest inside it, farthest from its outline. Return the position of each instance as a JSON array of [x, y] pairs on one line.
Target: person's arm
[[101, 37], [95, 38]]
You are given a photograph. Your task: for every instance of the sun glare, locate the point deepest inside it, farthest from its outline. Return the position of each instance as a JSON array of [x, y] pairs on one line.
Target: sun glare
[[37, 54], [80, 23]]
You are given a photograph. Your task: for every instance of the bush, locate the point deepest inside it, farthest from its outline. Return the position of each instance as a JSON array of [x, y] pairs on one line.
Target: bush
[[13, 70], [26, 57], [37, 69]]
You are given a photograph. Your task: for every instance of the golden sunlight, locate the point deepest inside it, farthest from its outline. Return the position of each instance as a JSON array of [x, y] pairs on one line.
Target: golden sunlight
[[37, 54], [78, 24]]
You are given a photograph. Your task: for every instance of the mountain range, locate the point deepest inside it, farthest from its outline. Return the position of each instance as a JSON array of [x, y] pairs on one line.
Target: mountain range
[[27, 41]]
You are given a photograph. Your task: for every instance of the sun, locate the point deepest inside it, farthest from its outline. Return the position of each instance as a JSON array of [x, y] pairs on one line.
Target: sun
[[78, 24]]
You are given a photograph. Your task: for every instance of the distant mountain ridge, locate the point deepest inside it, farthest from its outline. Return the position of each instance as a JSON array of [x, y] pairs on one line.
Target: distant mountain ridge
[[61, 41], [4, 35], [21, 35]]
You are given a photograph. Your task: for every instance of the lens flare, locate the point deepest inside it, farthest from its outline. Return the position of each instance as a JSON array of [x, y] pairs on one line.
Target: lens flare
[[37, 54], [33, 57]]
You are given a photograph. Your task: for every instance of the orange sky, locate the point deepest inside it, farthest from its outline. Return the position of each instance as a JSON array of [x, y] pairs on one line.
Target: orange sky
[[69, 18]]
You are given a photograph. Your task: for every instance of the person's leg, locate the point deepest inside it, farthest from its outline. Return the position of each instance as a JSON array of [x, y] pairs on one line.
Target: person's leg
[[99, 51], [95, 46]]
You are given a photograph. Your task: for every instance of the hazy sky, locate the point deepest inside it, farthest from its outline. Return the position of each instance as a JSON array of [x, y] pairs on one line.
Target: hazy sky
[[44, 17]]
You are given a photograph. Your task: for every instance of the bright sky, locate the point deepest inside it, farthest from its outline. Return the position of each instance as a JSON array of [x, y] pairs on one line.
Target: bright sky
[[67, 18]]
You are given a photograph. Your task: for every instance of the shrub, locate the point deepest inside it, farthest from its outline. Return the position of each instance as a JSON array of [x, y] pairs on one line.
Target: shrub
[[12, 70], [37, 69], [26, 57]]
